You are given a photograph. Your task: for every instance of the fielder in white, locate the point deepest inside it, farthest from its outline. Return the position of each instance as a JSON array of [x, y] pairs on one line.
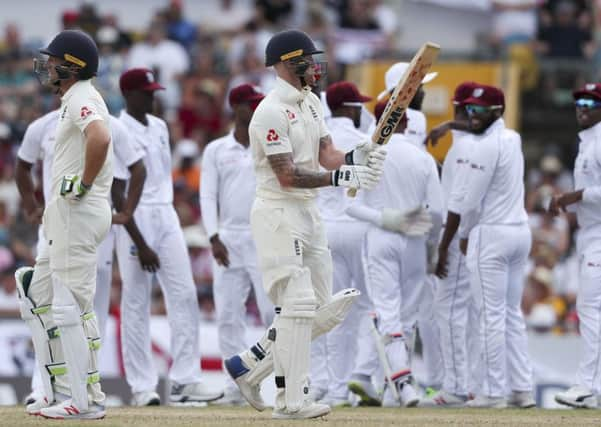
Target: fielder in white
[[226, 196], [491, 212], [333, 355], [289, 142], [395, 253], [586, 201], [38, 144], [453, 294], [151, 243], [57, 295]]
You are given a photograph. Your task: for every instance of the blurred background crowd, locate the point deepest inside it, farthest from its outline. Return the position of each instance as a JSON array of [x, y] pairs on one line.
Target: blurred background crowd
[[555, 43]]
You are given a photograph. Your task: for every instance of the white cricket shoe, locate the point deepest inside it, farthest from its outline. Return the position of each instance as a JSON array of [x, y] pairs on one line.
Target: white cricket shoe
[[36, 406], [408, 395], [145, 398], [442, 399], [577, 397], [521, 399], [365, 390], [231, 398], [310, 409], [487, 402], [67, 410], [192, 393], [239, 373]]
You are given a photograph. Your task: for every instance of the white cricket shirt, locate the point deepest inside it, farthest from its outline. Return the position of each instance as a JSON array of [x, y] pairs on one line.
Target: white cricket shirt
[[228, 185], [332, 201], [80, 106], [457, 158], [587, 177], [286, 121], [153, 142], [38, 144], [494, 180]]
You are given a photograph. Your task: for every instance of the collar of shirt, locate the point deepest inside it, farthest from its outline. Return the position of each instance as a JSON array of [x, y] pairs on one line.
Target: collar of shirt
[[590, 133], [288, 93], [131, 121], [232, 143], [69, 93], [496, 126]]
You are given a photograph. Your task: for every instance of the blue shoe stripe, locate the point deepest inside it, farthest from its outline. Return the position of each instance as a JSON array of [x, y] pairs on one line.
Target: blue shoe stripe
[[235, 367]]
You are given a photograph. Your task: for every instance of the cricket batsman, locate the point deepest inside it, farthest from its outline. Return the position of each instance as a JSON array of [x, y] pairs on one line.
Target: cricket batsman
[[57, 295], [289, 142]]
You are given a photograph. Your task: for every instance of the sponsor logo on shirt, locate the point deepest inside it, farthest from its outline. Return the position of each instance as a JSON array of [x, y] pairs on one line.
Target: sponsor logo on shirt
[[64, 113], [593, 264], [291, 115], [477, 167], [313, 112], [272, 138], [85, 112]]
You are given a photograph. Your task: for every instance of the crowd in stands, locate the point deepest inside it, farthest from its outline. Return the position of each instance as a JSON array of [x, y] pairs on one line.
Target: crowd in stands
[[198, 62]]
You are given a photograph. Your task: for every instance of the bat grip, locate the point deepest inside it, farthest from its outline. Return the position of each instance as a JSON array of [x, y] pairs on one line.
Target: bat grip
[[352, 192]]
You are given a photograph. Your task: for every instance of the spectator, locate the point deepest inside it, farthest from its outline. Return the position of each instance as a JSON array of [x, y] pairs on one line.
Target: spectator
[[188, 171], [202, 112], [178, 28], [514, 21], [228, 17]]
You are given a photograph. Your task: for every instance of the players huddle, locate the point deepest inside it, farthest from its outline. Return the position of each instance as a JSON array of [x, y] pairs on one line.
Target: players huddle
[[342, 282]]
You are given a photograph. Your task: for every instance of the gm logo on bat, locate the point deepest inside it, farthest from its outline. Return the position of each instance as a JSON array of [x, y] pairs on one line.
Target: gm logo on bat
[[391, 123]]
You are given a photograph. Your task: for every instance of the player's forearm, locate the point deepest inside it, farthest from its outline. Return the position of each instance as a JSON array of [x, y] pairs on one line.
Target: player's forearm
[[98, 142], [25, 184], [136, 185], [301, 178], [450, 230], [330, 158]]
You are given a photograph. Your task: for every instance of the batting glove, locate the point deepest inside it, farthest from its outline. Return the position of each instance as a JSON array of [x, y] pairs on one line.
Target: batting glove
[[366, 154], [414, 223], [356, 177], [73, 189]]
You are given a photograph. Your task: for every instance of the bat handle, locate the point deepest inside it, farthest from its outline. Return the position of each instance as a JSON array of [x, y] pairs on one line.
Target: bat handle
[[352, 192]]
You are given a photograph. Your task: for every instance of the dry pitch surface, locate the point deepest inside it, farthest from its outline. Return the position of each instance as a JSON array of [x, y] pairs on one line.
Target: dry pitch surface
[[364, 417]]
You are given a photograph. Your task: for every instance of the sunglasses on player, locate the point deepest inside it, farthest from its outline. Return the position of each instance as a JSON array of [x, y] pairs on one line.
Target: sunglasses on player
[[588, 104], [480, 109]]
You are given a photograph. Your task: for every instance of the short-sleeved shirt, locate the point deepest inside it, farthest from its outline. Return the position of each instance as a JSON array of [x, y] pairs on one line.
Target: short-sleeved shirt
[[38, 144], [153, 141], [286, 121], [80, 106]]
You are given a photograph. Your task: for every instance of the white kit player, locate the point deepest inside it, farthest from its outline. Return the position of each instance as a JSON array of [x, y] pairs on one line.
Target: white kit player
[[586, 202], [38, 144], [57, 295], [333, 355], [289, 142], [226, 196], [491, 213], [395, 253], [153, 243], [453, 295]]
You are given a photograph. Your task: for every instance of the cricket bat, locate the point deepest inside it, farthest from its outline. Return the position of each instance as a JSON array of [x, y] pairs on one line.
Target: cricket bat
[[402, 95]]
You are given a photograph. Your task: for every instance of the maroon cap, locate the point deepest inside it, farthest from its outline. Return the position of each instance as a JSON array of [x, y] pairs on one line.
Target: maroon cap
[[487, 96], [463, 91], [245, 93], [590, 89], [344, 93], [138, 79]]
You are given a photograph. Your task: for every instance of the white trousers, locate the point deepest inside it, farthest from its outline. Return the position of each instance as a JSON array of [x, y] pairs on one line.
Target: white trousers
[[333, 355], [452, 305], [231, 287], [588, 305], [396, 270], [430, 335], [160, 227], [496, 259]]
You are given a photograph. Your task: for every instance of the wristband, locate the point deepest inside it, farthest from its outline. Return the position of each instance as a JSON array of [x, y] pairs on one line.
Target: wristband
[[348, 158]]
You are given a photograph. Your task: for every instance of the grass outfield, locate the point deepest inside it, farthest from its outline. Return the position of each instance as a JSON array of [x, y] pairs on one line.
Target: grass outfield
[[211, 416]]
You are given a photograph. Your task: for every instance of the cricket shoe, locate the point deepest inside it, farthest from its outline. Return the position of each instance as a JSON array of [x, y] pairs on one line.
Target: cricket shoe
[[363, 388], [239, 373], [231, 398], [67, 410], [36, 406], [521, 399], [336, 402], [407, 394], [32, 397], [309, 409], [487, 402], [442, 399], [577, 397], [190, 394], [145, 398]]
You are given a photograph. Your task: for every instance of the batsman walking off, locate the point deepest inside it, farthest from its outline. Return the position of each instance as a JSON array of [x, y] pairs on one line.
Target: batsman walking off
[[57, 296], [289, 142]]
